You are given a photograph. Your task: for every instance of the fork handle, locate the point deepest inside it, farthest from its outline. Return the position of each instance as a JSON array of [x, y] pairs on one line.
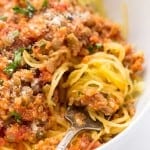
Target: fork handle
[[67, 138]]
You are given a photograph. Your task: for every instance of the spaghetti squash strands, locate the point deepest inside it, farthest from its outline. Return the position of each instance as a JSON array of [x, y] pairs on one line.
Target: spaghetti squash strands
[[54, 54]]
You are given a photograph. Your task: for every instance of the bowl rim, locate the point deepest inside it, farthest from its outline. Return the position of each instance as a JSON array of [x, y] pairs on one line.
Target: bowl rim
[[126, 131], [145, 96]]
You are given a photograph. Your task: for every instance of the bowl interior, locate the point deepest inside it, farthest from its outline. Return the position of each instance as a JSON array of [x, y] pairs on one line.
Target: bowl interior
[[139, 35]]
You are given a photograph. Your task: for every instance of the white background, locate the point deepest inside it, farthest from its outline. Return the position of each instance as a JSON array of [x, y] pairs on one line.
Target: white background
[[140, 139], [136, 137]]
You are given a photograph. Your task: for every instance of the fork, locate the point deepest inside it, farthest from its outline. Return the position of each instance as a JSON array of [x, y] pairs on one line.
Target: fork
[[80, 121]]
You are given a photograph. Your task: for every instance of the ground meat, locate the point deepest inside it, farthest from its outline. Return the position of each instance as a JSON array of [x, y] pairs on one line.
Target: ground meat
[[2, 142], [54, 26], [17, 133], [137, 62], [57, 33], [74, 44], [98, 102], [132, 60], [84, 141]]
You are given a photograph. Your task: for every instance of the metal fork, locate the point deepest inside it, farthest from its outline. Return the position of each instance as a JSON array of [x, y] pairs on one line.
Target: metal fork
[[79, 120]]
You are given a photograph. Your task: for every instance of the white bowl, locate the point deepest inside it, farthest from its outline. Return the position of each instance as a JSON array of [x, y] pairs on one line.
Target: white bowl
[[139, 35]]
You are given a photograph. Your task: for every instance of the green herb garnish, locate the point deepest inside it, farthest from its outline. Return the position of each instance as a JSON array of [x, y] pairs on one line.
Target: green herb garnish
[[16, 62], [45, 4], [17, 116], [13, 34], [3, 18], [91, 48], [28, 11], [97, 46]]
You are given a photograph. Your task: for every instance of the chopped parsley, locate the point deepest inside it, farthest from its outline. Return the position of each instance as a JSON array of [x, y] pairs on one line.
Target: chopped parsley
[[12, 35], [91, 48], [3, 18], [15, 33], [16, 116], [28, 11], [97, 46], [16, 62], [45, 4]]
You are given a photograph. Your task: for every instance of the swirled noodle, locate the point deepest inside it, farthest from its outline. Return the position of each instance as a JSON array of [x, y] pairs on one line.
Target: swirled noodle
[[105, 73], [55, 80]]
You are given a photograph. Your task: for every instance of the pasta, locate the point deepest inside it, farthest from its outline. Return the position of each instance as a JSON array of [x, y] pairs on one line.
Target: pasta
[[55, 54]]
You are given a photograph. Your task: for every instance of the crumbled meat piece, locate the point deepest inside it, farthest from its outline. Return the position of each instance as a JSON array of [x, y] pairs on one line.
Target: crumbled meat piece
[[16, 133], [98, 102]]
